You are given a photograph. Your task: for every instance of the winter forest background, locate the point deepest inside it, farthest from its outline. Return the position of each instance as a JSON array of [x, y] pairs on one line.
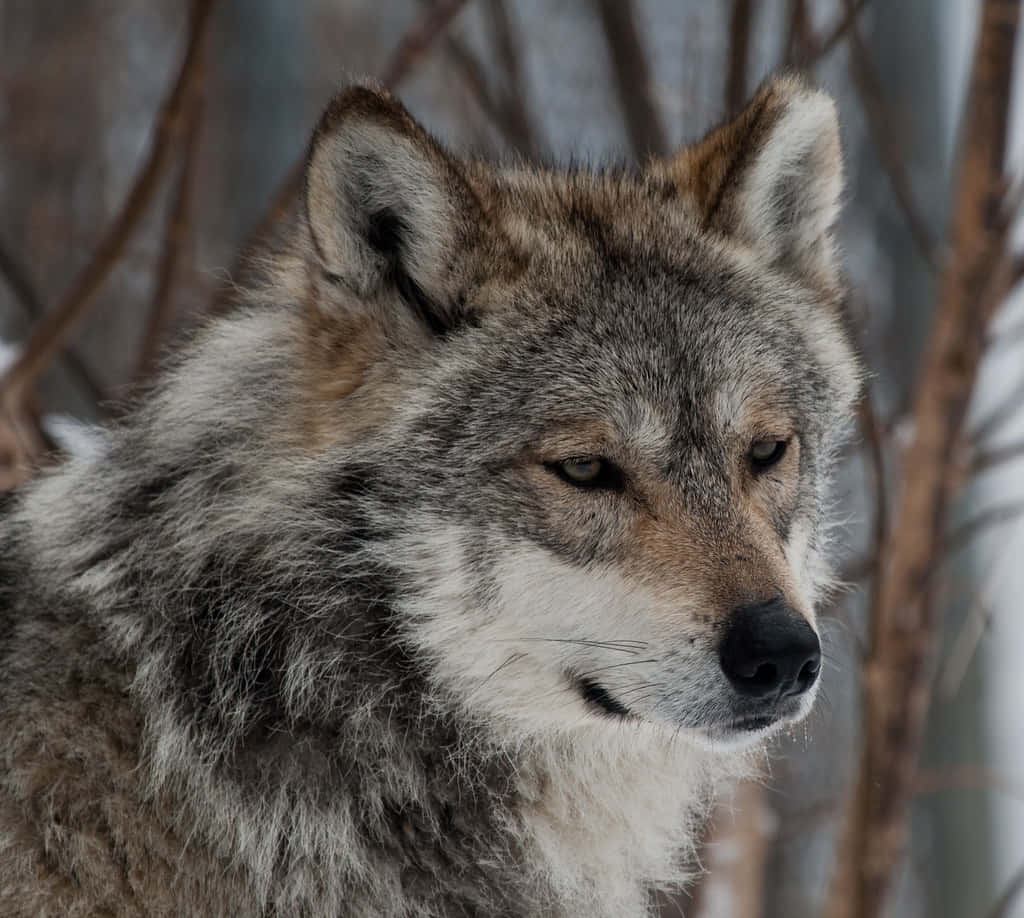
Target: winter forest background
[[143, 143]]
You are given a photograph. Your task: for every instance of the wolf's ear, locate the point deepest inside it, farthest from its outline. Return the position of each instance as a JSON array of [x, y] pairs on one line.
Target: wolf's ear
[[773, 175], [388, 207]]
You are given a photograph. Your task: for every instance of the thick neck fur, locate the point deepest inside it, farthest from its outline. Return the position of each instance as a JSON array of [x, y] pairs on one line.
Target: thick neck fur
[[248, 590]]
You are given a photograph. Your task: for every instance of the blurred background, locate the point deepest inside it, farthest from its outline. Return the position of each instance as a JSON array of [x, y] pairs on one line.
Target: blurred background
[[143, 144]]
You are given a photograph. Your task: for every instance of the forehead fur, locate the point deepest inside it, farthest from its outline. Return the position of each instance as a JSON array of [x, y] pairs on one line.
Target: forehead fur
[[623, 262]]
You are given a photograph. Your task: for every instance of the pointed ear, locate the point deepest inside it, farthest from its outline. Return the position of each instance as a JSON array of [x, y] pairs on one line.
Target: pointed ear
[[772, 176], [388, 208]]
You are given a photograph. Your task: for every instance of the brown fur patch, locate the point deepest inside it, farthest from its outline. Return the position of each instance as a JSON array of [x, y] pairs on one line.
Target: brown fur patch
[[339, 353]]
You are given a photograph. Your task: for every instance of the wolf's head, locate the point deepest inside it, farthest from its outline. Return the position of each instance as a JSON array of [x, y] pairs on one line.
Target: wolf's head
[[586, 419]]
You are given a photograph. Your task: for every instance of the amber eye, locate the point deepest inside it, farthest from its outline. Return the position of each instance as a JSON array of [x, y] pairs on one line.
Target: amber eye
[[589, 472], [766, 453]]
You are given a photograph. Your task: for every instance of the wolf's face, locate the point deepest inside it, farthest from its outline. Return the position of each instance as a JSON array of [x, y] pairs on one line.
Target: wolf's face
[[597, 410]]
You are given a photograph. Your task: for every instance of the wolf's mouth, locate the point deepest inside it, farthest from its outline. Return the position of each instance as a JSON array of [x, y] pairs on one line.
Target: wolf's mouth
[[750, 724], [777, 714], [598, 696]]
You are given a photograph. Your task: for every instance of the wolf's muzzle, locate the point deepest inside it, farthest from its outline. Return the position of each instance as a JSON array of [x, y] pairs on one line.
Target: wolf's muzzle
[[770, 652]]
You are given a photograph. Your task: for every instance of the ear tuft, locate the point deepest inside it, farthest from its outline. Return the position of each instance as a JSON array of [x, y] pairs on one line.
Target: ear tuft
[[387, 206], [773, 175]]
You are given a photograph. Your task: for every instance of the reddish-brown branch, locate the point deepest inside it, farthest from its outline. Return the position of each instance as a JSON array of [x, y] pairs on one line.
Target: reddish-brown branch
[[739, 827], [520, 127], [175, 237], [24, 290], [967, 777], [798, 35], [414, 44], [474, 78], [885, 137], [632, 78], [901, 656], [505, 108], [52, 331], [740, 23]]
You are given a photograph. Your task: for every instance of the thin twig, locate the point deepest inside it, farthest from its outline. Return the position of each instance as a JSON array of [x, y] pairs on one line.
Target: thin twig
[[1009, 895], [741, 21], [521, 127], [1006, 337], [880, 531], [861, 568], [52, 331], [414, 44], [632, 78], [985, 460], [821, 47], [24, 291], [976, 621], [175, 234], [966, 777], [474, 78], [967, 531], [880, 124], [504, 113], [1005, 409], [735, 852], [798, 35]]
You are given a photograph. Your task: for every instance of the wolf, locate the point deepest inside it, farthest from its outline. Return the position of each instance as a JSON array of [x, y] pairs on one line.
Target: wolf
[[454, 569]]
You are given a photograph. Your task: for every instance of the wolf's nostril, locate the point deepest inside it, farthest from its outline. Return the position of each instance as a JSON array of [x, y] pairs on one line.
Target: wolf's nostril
[[770, 650], [808, 673]]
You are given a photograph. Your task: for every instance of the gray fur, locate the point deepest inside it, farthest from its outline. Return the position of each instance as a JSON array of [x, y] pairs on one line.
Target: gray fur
[[307, 636]]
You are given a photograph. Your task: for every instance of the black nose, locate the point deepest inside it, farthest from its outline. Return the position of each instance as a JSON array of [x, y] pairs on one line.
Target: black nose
[[770, 650]]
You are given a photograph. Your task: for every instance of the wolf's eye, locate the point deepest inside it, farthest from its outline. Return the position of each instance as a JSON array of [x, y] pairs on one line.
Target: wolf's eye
[[589, 472], [766, 453]]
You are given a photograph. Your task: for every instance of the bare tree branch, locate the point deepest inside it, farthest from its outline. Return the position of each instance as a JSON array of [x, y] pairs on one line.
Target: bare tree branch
[[474, 77], [1009, 896], [998, 455], [1005, 409], [972, 528], [880, 124], [968, 637], [798, 35], [741, 21], [175, 233], [821, 47], [901, 656], [501, 107], [632, 78], [966, 777], [520, 126], [735, 853], [24, 291], [1007, 337], [414, 44], [52, 331]]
